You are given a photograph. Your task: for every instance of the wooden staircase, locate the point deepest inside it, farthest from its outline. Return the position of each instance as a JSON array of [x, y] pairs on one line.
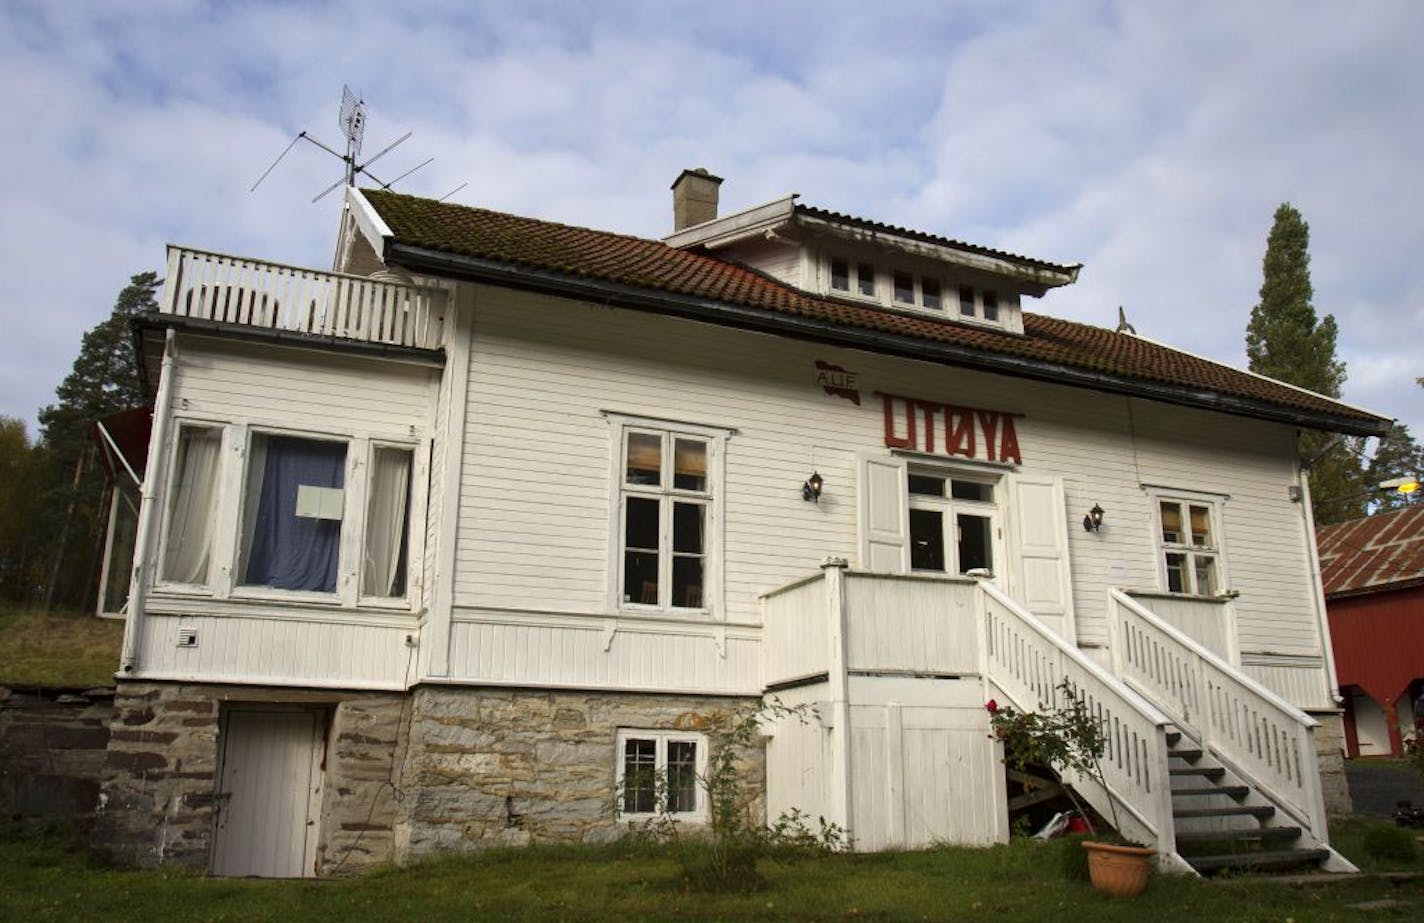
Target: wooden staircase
[[1223, 825]]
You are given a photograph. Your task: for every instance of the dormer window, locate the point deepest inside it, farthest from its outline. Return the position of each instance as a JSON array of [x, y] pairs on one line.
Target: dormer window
[[991, 306], [840, 275], [929, 294], [966, 300], [865, 279], [904, 288]]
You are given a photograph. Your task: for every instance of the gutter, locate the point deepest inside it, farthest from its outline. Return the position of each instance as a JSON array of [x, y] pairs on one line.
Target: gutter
[[475, 269]]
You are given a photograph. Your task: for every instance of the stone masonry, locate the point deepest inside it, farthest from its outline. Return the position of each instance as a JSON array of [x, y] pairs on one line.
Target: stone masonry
[[494, 767], [52, 753], [1330, 749], [157, 805]]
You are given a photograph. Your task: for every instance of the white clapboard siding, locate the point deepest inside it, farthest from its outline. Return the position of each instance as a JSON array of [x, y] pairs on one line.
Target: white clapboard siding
[[277, 651], [535, 498], [585, 651], [300, 389]]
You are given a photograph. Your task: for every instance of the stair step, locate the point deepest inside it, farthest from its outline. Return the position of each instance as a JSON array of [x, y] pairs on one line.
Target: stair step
[[1191, 755], [1211, 772], [1258, 860], [1260, 811], [1261, 834], [1231, 791]]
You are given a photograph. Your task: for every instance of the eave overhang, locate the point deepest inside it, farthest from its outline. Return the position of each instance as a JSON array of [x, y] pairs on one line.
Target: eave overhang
[[474, 269]]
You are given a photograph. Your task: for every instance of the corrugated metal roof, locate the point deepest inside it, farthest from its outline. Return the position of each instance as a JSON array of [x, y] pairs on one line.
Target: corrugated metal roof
[[653, 266], [1373, 552]]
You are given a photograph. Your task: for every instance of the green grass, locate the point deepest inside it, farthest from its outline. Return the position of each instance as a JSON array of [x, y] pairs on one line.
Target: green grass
[[41, 880], [58, 650]]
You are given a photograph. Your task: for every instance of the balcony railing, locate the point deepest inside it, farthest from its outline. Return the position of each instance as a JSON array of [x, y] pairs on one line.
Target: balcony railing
[[289, 299]]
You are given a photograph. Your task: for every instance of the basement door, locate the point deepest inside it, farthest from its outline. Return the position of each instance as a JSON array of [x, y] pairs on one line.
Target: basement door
[[269, 793]]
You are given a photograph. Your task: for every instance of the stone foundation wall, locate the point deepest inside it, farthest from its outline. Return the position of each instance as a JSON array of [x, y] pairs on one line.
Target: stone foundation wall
[[493, 767], [1330, 749], [52, 753], [157, 797]]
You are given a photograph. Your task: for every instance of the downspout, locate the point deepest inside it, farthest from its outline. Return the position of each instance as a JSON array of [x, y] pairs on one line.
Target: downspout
[[1316, 579], [143, 545]]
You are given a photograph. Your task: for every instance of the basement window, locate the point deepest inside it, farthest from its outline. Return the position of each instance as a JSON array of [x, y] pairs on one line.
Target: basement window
[[660, 772]]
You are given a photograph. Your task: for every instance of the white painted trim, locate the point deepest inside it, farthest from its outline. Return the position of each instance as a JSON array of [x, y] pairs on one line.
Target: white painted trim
[[652, 623], [725, 692], [1217, 504], [663, 737], [733, 227], [169, 603], [1317, 587], [266, 680], [460, 324], [368, 221]]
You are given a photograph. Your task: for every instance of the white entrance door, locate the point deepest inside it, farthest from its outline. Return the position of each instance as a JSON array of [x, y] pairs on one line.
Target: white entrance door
[[269, 792]]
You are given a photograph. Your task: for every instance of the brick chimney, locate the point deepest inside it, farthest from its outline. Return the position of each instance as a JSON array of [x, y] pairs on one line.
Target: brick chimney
[[694, 198]]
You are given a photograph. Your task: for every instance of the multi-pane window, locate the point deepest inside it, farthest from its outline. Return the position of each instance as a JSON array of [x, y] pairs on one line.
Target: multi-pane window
[[661, 772], [991, 305], [1189, 547], [966, 300], [952, 524], [840, 274], [929, 294], [904, 287], [865, 279], [665, 512]]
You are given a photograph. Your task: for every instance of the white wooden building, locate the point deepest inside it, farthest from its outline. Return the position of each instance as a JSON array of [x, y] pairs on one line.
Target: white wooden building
[[434, 547]]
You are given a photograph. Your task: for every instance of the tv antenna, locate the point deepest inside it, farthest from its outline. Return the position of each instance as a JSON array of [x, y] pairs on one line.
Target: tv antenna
[[353, 127]]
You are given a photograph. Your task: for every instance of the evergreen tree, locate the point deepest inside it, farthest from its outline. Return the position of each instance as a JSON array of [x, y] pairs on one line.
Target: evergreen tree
[[1285, 340], [105, 379], [1397, 456], [21, 561]]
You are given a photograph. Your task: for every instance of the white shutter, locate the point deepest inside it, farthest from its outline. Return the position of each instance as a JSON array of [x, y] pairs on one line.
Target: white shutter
[[884, 515], [1042, 581]]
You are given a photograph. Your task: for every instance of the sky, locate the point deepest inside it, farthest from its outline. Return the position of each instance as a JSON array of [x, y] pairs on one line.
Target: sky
[[1150, 141]]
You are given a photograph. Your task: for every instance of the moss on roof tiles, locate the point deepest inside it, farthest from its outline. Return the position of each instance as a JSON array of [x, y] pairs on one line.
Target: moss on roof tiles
[[652, 265]]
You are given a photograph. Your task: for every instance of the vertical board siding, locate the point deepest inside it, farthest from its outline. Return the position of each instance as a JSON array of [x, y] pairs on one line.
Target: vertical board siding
[[1299, 680], [1205, 621], [276, 651], [799, 758], [924, 626], [796, 631]]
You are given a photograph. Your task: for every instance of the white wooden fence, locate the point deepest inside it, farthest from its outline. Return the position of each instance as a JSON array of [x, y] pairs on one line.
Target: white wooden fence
[[1262, 738], [273, 296]]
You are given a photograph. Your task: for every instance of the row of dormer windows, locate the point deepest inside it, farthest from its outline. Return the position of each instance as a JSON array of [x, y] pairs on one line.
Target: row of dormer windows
[[911, 291]]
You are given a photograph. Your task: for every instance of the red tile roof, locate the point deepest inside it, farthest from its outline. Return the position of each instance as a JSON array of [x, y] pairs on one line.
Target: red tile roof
[[1373, 552], [651, 265]]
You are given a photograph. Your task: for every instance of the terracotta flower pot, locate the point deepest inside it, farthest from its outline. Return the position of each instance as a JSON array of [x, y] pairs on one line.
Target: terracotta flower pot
[[1121, 871]]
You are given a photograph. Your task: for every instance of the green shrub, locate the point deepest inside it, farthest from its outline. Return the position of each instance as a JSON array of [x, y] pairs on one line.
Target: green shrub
[[1394, 844]]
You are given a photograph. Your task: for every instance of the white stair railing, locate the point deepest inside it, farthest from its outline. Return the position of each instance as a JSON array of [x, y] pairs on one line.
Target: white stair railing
[[1259, 736], [273, 296], [1027, 661]]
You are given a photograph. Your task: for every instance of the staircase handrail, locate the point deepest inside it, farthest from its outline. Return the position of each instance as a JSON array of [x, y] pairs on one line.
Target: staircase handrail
[[1255, 732], [1135, 763]]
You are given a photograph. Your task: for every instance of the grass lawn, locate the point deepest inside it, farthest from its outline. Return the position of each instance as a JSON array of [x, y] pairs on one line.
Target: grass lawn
[[58, 649], [41, 880]]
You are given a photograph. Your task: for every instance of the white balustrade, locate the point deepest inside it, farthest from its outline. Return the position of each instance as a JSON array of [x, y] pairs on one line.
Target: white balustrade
[[1029, 662], [1254, 732], [796, 626], [231, 290]]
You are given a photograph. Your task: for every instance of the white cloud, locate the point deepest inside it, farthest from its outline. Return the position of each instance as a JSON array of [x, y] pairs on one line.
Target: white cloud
[[1151, 141]]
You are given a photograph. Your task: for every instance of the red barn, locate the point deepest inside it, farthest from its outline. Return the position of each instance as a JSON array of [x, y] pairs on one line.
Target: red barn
[[1373, 573]]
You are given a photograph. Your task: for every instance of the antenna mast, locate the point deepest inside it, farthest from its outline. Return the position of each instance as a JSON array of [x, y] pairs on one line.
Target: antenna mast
[[353, 127]]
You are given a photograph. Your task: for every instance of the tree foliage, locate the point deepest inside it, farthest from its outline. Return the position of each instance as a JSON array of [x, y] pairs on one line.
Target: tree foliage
[[1398, 456], [70, 486], [1285, 340], [21, 547]]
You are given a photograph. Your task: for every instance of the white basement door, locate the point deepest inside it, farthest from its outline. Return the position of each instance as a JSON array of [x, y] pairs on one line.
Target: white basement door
[[269, 793]]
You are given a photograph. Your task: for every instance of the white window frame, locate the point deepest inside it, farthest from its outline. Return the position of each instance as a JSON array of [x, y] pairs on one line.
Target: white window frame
[[713, 498], [1007, 304], [206, 588], [661, 739], [1186, 499], [224, 577], [950, 507]]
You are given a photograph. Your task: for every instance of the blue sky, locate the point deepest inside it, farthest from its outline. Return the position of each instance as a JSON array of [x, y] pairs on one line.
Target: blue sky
[[1151, 141]]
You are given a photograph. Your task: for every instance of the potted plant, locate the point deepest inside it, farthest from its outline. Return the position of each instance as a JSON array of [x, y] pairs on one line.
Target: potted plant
[[1070, 739]]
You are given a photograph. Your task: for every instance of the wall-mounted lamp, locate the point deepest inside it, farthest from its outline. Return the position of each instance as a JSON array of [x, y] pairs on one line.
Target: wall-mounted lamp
[[811, 490], [1093, 522]]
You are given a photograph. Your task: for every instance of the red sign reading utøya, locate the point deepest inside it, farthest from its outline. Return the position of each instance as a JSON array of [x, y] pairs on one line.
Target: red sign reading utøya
[[910, 423]]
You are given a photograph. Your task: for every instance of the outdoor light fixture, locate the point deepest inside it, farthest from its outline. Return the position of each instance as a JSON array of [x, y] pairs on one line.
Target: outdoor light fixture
[[811, 490], [1093, 522], [1404, 485]]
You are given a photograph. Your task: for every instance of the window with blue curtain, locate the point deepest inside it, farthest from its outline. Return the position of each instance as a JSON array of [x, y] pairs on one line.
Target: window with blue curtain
[[287, 547]]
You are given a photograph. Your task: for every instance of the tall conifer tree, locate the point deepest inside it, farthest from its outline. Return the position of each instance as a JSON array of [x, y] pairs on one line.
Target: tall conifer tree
[[1285, 340]]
